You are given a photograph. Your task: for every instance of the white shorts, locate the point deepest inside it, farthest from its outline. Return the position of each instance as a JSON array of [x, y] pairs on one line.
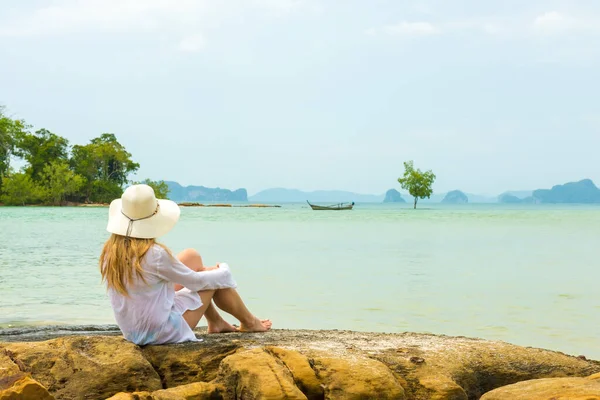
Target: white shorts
[[186, 299]]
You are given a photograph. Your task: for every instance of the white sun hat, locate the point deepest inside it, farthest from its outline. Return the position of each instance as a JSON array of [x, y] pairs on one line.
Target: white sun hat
[[138, 214]]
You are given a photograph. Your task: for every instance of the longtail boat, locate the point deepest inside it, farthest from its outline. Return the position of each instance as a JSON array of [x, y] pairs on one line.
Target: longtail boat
[[339, 206]]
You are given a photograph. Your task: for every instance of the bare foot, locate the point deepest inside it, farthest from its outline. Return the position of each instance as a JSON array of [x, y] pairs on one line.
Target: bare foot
[[259, 325], [221, 327]]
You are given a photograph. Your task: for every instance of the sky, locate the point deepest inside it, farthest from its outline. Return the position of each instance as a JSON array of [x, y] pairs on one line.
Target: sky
[[316, 94]]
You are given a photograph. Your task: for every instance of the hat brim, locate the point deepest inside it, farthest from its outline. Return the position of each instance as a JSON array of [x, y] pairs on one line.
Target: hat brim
[[156, 226]]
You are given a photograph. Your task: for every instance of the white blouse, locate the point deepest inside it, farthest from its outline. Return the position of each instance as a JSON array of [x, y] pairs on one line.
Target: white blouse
[[152, 313]]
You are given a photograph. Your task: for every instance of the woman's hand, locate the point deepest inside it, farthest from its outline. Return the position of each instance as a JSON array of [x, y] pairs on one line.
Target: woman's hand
[[212, 268]]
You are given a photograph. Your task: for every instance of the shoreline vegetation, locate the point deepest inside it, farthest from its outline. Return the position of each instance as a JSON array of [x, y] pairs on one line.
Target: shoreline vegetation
[[56, 173]]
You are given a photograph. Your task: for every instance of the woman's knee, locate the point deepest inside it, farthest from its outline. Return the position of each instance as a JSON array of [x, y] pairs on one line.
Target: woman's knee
[[191, 258]]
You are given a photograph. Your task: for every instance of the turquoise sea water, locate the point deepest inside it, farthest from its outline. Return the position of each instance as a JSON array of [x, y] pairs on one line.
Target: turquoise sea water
[[524, 274]]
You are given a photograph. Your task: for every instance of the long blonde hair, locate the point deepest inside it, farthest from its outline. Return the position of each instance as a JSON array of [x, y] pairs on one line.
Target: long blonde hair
[[121, 260]]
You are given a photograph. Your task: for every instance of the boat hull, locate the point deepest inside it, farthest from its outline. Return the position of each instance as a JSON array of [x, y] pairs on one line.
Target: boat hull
[[336, 207]]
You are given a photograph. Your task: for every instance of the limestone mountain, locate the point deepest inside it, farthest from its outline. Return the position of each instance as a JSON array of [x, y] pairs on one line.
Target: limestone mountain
[[179, 193]]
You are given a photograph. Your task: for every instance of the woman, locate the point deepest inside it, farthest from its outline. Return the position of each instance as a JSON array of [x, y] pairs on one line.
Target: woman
[[157, 298]]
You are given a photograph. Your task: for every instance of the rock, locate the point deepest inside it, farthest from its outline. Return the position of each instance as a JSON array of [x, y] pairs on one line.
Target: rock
[[188, 362], [294, 363], [393, 196], [20, 386], [7, 366], [301, 370], [96, 366], [455, 197], [193, 391], [254, 374], [357, 378], [440, 387], [132, 396], [549, 389]]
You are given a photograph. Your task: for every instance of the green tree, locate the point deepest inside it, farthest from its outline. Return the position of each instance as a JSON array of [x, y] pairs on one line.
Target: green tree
[[39, 149], [19, 189], [104, 192], [419, 184], [59, 182], [9, 129], [105, 165], [161, 189]]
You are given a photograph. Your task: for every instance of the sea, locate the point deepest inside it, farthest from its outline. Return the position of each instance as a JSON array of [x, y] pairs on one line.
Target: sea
[[524, 274]]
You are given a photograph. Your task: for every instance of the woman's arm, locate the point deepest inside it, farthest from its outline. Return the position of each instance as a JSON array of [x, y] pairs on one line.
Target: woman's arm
[[171, 269]]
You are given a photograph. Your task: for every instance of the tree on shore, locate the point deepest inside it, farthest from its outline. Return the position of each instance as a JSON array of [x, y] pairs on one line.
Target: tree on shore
[[19, 190], [59, 182], [40, 149], [104, 164], [55, 173], [9, 130], [419, 184]]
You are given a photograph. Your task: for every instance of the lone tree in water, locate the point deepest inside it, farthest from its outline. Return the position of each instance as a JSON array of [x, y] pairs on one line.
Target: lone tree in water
[[416, 182]]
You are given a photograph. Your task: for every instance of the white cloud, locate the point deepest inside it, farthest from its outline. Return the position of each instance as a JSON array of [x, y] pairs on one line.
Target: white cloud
[[554, 22], [405, 29], [278, 6], [192, 44], [549, 23], [489, 27], [371, 31], [492, 28], [76, 16], [125, 16]]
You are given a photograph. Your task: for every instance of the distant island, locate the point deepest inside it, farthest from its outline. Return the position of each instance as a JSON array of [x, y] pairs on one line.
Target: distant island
[[181, 193], [455, 197], [582, 192], [281, 195], [508, 198], [393, 196]]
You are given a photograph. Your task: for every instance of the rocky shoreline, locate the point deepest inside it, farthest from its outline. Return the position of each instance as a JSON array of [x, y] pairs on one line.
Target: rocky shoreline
[[188, 204], [285, 364]]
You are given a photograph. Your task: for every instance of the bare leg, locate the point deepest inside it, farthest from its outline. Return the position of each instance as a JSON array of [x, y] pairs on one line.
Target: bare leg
[[216, 324], [192, 317], [227, 300], [230, 301]]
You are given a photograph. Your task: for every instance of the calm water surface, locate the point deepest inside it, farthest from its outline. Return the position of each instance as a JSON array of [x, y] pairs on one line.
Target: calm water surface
[[528, 274]]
